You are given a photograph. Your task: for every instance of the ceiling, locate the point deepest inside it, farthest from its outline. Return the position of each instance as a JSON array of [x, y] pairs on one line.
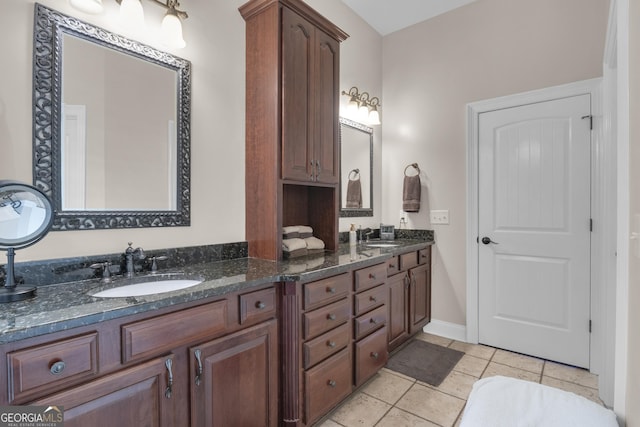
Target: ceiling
[[387, 16]]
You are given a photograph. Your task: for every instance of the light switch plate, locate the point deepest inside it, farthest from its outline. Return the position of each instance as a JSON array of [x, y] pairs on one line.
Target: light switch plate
[[439, 217]]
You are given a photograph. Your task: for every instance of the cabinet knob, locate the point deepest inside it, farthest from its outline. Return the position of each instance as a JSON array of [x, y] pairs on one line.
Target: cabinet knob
[[374, 354], [331, 290], [260, 305], [331, 316], [331, 383], [57, 367], [392, 265], [331, 344], [372, 298], [373, 320], [372, 276]]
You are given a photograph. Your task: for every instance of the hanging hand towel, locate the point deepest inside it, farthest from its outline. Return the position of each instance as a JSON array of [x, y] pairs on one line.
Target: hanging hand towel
[[411, 189], [354, 190]]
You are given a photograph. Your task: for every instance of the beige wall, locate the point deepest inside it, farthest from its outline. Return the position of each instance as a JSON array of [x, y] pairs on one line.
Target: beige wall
[[216, 48], [633, 355], [431, 70]]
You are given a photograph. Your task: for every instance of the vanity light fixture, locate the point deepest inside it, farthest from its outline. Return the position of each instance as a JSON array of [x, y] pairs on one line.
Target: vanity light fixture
[[132, 17], [362, 107]]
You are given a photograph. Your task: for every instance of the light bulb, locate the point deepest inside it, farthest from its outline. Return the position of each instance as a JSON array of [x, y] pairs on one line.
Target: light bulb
[[374, 117], [172, 30], [131, 14], [87, 6], [353, 106], [363, 113]]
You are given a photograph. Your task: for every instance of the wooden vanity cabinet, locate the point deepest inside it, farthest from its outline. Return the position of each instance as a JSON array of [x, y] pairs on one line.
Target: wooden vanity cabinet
[[133, 396], [142, 369], [292, 161], [235, 379], [310, 76], [409, 292], [370, 320]]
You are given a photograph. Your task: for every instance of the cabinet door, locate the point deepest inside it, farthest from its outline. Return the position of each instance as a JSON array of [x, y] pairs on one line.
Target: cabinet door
[[297, 60], [326, 77], [135, 396], [419, 298], [235, 379], [398, 305]]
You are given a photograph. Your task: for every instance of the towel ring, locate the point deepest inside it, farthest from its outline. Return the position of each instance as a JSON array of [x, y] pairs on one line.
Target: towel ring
[[412, 165], [356, 173]]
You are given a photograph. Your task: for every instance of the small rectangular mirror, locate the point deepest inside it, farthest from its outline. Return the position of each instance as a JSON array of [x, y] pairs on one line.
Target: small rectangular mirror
[[356, 170]]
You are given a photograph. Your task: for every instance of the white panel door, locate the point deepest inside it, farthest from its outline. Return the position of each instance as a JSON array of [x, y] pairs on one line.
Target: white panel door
[[534, 229]]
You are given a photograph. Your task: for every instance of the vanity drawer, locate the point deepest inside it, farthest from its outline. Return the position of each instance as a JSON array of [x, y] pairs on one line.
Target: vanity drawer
[[326, 290], [48, 367], [327, 384], [371, 355], [325, 345], [149, 337], [424, 256], [393, 266], [370, 321], [257, 306], [367, 300], [371, 276], [408, 260], [326, 318]]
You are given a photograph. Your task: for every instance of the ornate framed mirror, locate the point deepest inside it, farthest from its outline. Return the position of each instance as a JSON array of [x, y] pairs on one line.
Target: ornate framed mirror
[[111, 127], [356, 169]]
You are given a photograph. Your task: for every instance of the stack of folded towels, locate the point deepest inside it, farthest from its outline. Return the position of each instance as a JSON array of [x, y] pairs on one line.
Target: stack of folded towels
[[298, 240]]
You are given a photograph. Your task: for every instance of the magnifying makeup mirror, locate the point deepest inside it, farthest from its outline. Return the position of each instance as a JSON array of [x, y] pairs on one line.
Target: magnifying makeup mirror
[[26, 215]]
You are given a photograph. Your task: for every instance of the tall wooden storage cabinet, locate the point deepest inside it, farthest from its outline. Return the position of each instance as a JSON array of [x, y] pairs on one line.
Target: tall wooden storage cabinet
[[292, 100]]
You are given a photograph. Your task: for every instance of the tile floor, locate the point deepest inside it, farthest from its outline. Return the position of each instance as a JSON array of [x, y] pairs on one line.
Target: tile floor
[[391, 399]]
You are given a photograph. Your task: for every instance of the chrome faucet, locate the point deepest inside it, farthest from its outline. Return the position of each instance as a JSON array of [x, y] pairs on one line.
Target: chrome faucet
[[129, 253]]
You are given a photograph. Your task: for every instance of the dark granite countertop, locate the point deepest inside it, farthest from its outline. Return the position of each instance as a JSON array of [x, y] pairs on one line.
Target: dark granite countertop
[[68, 305]]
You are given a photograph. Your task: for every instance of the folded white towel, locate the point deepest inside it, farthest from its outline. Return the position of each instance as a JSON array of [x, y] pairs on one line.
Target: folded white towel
[[314, 243], [290, 229], [290, 245], [305, 229]]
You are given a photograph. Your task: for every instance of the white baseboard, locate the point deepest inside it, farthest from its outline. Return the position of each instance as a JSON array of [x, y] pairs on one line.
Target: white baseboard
[[446, 329]]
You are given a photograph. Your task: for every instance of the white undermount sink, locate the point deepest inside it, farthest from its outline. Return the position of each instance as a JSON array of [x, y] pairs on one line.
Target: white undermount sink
[[381, 245], [148, 285]]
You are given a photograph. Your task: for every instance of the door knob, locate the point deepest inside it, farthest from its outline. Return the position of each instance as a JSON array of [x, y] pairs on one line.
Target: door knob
[[487, 240]]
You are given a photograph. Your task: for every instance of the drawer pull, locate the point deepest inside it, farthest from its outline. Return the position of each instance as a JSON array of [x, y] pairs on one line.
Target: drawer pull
[[331, 344], [331, 290], [373, 320], [198, 355], [57, 367], [372, 298], [260, 305], [169, 364], [392, 265], [372, 276], [374, 354], [331, 383], [331, 316]]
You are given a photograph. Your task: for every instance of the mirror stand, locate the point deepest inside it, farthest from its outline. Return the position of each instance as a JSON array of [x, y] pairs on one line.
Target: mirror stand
[[26, 216], [10, 292]]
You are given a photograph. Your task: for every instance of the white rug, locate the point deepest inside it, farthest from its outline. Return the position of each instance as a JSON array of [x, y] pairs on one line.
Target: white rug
[[509, 402]]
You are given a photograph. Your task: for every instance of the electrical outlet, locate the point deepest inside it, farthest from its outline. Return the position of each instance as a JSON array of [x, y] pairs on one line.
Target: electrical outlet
[[439, 217]]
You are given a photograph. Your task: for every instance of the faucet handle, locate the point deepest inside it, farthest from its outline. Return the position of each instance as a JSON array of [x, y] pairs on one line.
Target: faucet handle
[[154, 264], [106, 272]]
